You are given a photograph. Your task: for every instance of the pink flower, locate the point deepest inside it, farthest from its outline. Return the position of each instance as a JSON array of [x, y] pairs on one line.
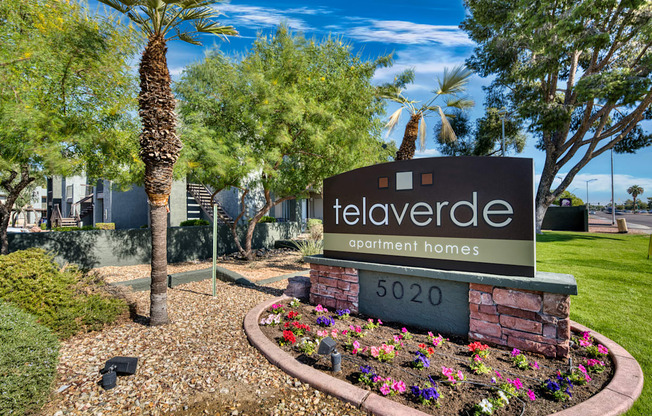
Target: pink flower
[[344, 332], [517, 383], [380, 322], [404, 330], [377, 379], [477, 358], [334, 333], [371, 321], [515, 352], [602, 349], [531, 396], [585, 343], [581, 368], [364, 350], [535, 365], [431, 335], [375, 352], [460, 376], [446, 371], [587, 378], [399, 386], [321, 333], [498, 375], [385, 389], [397, 338]]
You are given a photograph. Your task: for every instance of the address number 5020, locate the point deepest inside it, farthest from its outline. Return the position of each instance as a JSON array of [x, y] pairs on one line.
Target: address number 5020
[[414, 292]]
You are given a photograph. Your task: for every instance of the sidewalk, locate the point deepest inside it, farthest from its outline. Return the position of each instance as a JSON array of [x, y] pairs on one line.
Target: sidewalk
[[600, 225]]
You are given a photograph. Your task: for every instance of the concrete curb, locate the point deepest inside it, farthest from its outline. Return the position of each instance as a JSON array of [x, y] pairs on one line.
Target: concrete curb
[[177, 279], [615, 399]]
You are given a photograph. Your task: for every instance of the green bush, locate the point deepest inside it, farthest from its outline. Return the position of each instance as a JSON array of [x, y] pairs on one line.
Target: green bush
[[105, 225], [309, 247], [313, 221], [84, 228], [193, 223], [28, 361], [266, 218], [66, 301]]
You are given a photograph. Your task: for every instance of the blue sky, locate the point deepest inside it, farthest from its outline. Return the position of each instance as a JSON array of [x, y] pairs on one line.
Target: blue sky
[[422, 34]]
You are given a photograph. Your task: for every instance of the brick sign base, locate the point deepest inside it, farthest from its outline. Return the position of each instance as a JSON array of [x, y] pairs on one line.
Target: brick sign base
[[524, 313]]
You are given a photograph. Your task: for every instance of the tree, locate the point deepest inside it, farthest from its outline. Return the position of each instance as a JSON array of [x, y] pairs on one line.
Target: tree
[[65, 97], [451, 85], [635, 191], [162, 21], [291, 113], [578, 72], [575, 201]]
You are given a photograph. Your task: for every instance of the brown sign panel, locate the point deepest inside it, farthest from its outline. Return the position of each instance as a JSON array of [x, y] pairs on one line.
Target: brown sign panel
[[454, 213]]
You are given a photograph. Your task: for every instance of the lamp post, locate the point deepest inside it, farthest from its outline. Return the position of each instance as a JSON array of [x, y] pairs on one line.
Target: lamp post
[[502, 113], [587, 191]]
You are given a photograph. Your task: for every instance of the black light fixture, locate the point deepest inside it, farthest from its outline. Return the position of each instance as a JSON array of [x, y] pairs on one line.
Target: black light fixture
[[327, 346], [123, 366]]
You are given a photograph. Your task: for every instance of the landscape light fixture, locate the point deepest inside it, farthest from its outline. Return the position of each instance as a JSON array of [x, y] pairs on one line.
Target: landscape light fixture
[[113, 367], [327, 346]]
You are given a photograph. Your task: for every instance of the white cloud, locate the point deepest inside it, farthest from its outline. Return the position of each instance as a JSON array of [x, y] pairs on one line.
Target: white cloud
[[408, 33], [254, 17], [427, 153], [600, 189]]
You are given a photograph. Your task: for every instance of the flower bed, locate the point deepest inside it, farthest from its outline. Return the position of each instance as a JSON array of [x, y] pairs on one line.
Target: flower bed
[[435, 374]]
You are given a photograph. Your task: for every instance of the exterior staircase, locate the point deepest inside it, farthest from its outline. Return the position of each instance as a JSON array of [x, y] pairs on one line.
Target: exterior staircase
[[202, 195]]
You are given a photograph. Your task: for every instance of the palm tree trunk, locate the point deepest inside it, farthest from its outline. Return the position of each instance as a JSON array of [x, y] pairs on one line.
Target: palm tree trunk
[[159, 149], [408, 145]]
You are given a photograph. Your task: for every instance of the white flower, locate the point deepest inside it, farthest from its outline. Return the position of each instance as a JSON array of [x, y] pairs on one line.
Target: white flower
[[503, 396], [486, 407]]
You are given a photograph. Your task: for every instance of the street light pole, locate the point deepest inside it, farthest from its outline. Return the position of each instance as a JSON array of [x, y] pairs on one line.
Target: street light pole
[[587, 192], [503, 114]]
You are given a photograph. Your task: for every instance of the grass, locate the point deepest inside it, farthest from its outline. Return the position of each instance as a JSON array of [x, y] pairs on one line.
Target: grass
[[28, 361], [613, 279]]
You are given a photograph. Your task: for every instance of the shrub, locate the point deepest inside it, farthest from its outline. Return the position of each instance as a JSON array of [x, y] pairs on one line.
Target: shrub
[[84, 228], [105, 225], [316, 228], [309, 247], [193, 223], [28, 361], [67, 301], [266, 218]]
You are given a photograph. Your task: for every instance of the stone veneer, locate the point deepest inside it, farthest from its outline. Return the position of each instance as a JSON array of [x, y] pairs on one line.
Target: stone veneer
[[527, 320], [532, 321], [334, 287]]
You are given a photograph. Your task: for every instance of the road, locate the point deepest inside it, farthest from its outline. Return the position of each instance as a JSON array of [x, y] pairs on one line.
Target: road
[[642, 221]]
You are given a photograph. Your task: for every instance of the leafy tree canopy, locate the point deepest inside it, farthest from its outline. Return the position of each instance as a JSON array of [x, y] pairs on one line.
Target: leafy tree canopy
[[577, 73], [291, 113], [66, 95]]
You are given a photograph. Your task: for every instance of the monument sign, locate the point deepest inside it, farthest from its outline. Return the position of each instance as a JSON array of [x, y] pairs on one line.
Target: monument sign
[[472, 214]]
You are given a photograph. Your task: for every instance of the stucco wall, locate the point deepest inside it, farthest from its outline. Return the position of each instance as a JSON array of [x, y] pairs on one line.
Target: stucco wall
[[99, 248]]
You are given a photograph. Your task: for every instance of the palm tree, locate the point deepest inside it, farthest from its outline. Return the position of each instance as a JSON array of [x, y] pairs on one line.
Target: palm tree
[[451, 85], [635, 191], [162, 21]]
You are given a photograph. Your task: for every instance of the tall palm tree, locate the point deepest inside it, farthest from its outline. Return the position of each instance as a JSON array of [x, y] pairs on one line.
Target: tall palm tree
[[451, 86], [162, 21], [635, 191]]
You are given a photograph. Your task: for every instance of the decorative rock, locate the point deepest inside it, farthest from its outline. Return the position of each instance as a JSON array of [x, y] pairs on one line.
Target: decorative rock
[[298, 287]]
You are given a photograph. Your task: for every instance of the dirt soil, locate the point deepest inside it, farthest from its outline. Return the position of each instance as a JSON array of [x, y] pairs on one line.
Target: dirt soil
[[457, 399]]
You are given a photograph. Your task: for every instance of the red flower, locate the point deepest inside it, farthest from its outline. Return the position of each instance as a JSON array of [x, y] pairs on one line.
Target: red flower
[[288, 336], [477, 346]]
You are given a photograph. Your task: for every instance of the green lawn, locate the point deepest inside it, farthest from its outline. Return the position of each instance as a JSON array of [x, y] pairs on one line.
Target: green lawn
[[613, 279]]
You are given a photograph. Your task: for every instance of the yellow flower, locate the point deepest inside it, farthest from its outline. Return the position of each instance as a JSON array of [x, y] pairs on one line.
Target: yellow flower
[[323, 78]]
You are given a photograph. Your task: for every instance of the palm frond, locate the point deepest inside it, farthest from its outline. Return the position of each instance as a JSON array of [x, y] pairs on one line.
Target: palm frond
[[123, 6], [446, 133], [460, 102], [206, 26], [422, 134], [187, 37], [454, 81], [393, 120]]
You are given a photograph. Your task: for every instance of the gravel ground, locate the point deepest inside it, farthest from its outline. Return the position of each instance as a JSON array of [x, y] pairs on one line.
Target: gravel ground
[[272, 263], [201, 363]]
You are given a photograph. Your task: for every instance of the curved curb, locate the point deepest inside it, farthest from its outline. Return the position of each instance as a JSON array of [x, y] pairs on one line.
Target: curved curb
[[615, 399]]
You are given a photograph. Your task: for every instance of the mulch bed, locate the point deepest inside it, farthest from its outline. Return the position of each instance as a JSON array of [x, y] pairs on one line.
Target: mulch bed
[[455, 399]]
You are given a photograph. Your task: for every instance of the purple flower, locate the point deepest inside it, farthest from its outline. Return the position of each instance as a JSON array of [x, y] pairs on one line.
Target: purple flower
[[325, 321]]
